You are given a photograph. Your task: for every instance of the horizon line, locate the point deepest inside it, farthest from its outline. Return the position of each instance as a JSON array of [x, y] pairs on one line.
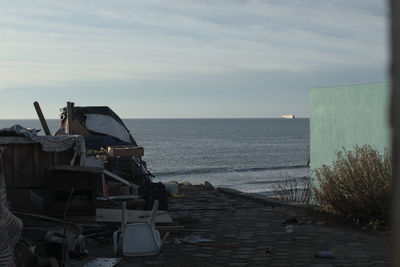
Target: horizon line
[[173, 118]]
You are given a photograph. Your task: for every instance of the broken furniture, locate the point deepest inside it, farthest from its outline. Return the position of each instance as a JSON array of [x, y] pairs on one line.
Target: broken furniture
[[85, 182], [138, 239], [106, 136]]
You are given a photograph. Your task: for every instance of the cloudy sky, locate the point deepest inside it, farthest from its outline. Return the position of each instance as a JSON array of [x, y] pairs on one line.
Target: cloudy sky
[[180, 59]]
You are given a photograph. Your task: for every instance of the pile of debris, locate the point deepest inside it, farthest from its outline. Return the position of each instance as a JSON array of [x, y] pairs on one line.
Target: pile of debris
[[78, 186]]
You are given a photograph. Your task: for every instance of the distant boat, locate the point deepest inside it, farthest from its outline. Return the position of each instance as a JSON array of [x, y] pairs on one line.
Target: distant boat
[[290, 116]]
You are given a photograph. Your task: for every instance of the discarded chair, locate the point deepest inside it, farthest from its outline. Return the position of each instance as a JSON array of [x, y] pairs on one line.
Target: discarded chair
[[138, 239]]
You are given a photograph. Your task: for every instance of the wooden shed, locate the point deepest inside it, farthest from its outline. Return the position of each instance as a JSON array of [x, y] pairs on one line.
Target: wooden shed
[[25, 163]]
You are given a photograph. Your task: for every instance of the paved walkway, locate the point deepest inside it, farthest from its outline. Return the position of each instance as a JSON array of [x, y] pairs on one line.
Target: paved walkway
[[249, 233]]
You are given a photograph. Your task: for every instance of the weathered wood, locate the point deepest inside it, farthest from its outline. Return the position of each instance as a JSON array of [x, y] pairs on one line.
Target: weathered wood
[[125, 151], [69, 168], [36, 160], [23, 166], [41, 217], [69, 117], [59, 182], [8, 163], [41, 118]]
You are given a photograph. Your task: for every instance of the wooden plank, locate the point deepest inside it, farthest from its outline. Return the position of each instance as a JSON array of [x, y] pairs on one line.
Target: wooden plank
[[41, 118], [6, 140], [8, 164], [46, 159], [69, 117], [125, 151], [80, 169], [23, 166], [36, 167], [114, 215]]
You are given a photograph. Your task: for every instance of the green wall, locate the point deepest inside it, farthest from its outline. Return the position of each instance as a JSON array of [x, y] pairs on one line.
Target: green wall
[[345, 116]]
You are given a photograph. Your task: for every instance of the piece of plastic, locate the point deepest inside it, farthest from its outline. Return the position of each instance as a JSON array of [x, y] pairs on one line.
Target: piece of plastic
[[289, 229]]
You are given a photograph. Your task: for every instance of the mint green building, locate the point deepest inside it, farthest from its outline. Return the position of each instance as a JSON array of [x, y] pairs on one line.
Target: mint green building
[[345, 116]]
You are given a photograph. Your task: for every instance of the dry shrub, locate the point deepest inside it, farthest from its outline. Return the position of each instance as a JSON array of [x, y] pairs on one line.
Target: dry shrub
[[294, 190], [357, 186]]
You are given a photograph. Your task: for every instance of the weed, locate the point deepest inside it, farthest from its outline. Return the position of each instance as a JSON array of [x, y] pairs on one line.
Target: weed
[[357, 186]]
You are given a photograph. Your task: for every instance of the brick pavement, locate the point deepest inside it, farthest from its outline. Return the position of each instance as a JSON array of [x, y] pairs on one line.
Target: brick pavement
[[249, 233]]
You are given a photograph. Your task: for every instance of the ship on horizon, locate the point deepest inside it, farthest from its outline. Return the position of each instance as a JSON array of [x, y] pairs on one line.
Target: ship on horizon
[[290, 116]]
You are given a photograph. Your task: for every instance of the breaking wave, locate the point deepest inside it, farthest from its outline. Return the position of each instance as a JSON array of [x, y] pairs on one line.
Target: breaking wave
[[225, 170]]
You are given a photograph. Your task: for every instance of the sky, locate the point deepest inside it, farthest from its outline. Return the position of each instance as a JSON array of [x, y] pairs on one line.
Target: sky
[[186, 59]]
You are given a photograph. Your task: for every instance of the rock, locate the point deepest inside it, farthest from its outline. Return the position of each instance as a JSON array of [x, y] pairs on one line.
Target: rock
[[207, 184]]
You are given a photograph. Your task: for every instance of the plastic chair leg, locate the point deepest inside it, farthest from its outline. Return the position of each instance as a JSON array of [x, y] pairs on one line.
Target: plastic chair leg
[[117, 242]]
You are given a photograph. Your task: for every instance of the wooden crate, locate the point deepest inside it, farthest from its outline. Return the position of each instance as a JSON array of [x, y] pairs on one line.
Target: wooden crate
[[125, 151], [25, 165]]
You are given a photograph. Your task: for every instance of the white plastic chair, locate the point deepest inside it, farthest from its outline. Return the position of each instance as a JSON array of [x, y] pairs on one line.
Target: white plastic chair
[[138, 239]]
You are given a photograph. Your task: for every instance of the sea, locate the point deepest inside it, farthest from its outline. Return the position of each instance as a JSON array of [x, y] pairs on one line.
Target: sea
[[250, 155]]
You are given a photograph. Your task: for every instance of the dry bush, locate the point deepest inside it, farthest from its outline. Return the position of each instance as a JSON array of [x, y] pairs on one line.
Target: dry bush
[[294, 190], [357, 186]]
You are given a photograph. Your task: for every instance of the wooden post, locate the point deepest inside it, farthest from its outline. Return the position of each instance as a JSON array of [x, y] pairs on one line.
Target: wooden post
[[69, 117], [41, 118]]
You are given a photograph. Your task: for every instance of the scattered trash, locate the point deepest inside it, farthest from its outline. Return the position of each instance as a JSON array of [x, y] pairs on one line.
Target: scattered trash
[[55, 243], [196, 239], [102, 262], [324, 254], [289, 229]]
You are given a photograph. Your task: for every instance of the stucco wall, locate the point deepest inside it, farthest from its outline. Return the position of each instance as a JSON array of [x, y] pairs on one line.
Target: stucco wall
[[345, 116]]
